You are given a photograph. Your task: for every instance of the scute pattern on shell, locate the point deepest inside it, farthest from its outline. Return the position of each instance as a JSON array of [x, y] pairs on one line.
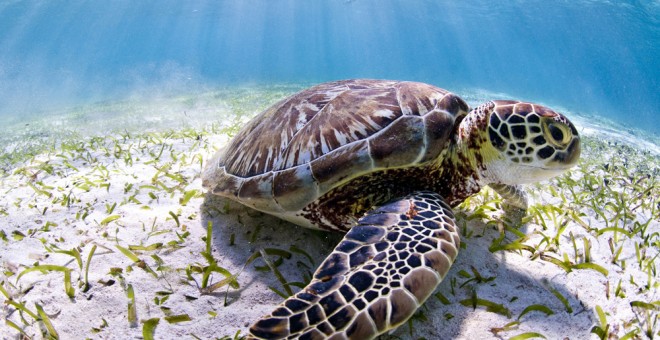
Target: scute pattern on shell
[[321, 119], [311, 142]]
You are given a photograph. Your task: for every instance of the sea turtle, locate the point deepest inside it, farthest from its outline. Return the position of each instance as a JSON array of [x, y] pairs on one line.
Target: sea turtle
[[383, 161]]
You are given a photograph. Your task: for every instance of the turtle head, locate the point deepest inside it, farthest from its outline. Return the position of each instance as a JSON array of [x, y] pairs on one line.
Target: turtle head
[[526, 142]]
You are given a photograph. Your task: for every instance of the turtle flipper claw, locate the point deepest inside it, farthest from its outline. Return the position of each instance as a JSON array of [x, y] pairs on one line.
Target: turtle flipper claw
[[375, 279]]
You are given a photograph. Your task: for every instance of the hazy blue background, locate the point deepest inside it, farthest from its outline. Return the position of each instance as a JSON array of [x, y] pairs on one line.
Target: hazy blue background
[[598, 57]]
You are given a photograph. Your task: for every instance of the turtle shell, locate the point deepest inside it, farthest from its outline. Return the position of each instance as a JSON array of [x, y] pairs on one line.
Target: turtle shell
[[320, 138]]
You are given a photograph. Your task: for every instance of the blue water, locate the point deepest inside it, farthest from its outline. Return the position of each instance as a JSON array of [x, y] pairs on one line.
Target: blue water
[[595, 57]]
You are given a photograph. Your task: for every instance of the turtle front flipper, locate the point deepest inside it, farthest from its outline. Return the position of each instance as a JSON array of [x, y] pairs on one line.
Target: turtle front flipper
[[513, 195], [515, 201], [374, 280]]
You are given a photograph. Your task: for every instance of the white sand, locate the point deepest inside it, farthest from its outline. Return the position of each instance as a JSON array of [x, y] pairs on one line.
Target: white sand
[[518, 279]]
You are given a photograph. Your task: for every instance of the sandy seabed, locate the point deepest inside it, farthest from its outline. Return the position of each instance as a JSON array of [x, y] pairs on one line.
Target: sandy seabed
[[124, 215]]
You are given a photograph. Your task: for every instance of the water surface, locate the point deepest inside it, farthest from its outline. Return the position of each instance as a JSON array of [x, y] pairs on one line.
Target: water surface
[[596, 57]]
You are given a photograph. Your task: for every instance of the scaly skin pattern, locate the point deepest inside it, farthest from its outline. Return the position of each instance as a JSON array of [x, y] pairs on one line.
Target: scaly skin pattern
[[383, 161], [322, 138], [375, 279], [532, 143]]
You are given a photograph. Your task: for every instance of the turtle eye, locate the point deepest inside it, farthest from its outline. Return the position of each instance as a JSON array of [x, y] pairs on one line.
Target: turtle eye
[[557, 133]]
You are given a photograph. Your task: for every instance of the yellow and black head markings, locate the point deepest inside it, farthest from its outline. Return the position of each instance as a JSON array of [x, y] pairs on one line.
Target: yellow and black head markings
[[532, 134]]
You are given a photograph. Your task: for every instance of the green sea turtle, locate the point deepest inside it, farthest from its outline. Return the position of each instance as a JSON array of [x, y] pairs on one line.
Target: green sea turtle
[[383, 161]]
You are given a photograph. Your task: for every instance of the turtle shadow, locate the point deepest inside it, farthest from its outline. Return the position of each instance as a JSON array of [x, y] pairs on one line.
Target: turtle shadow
[[239, 232], [515, 282]]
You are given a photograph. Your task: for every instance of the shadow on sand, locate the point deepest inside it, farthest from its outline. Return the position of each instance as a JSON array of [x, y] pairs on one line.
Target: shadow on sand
[[238, 232]]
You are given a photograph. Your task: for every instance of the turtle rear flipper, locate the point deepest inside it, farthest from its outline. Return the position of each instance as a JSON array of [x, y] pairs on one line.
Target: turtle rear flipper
[[376, 278]]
